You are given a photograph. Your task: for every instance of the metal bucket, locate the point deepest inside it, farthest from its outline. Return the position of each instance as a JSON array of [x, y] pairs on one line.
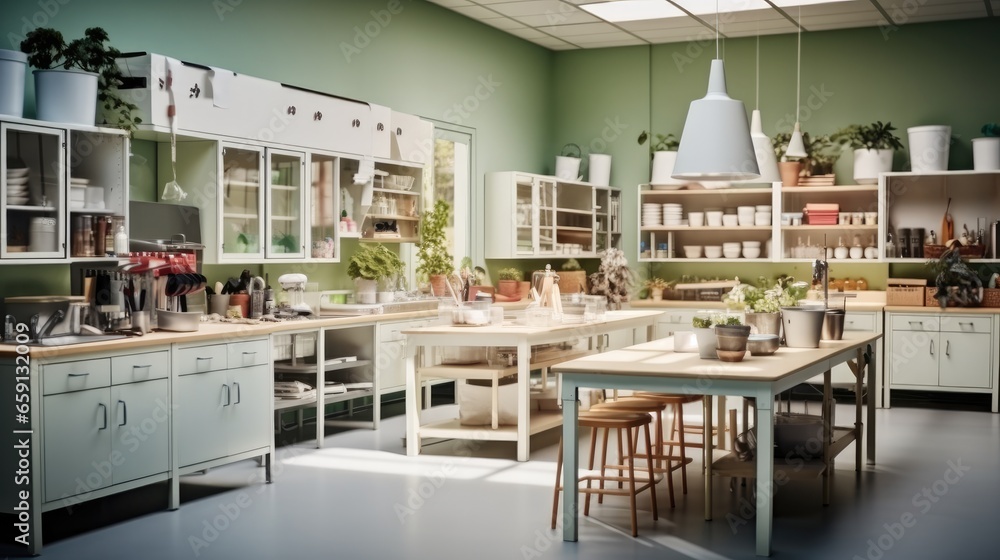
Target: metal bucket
[[833, 324], [803, 326]]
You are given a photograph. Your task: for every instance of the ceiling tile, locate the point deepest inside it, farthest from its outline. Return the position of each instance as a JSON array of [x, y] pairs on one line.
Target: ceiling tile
[[503, 23], [554, 44], [750, 28], [475, 12], [579, 29], [630, 42], [700, 7], [617, 38], [938, 10], [544, 12], [651, 25], [451, 3], [675, 35]]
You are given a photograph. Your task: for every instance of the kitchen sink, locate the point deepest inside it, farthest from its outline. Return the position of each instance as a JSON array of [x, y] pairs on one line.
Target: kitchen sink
[[67, 339]]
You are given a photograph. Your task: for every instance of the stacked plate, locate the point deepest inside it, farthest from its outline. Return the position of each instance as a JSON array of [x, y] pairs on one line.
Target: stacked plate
[[672, 214], [78, 193], [17, 186], [652, 214]]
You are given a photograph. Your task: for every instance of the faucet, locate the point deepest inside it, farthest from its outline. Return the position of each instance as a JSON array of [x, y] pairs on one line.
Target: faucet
[[821, 270]]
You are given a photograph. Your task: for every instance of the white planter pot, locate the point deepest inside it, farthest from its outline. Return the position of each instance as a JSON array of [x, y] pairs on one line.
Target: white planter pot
[[707, 343], [365, 290], [567, 168], [385, 297], [663, 168], [929, 147], [600, 170], [66, 96], [13, 65], [986, 153], [869, 163]]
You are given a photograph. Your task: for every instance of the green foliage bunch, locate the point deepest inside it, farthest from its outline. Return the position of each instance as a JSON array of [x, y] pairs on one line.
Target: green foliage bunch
[[374, 261], [432, 249]]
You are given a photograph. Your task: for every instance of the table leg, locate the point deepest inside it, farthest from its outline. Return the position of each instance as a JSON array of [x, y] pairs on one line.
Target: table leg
[[721, 434], [320, 384], [765, 473], [707, 457], [872, 359], [412, 399], [827, 412], [571, 460], [523, 396], [859, 425]]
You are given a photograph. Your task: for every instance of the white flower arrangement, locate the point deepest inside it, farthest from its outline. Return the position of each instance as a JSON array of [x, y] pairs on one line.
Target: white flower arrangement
[[785, 292]]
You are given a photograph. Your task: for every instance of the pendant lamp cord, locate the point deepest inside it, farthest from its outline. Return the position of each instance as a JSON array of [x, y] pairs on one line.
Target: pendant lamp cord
[[798, 69], [757, 102], [717, 28]]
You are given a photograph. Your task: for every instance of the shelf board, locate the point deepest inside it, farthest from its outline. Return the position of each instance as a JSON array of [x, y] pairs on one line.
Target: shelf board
[[40, 209], [541, 420], [284, 187], [574, 228], [240, 184], [291, 404], [236, 216], [390, 239], [575, 211], [830, 189], [701, 192], [350, 235], [486, 371], [705, 228], [706, 260], [808, 228], [331, 365], [395, 217], [284, 218], [394, 191], [95, 212]]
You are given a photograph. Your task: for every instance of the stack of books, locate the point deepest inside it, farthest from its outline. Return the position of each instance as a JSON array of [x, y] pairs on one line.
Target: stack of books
[[293, 390], [817, 180], [821, 214]]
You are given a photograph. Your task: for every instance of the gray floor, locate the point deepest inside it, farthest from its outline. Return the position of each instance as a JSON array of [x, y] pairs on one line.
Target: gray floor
[[935, 493]]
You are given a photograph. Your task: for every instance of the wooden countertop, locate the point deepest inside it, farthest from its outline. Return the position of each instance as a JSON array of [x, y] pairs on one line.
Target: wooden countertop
[[946, 311], [689, 304], [210, 332]]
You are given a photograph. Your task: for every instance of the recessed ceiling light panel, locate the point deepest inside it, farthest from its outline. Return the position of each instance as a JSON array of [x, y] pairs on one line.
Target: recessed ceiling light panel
[[633, 10]]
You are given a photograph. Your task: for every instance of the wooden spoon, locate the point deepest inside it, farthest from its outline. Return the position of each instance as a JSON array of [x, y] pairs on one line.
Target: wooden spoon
[[947, 226]]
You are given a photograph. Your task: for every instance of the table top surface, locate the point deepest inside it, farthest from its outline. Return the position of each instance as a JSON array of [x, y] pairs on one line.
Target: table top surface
[[613, 320], [657, 359]]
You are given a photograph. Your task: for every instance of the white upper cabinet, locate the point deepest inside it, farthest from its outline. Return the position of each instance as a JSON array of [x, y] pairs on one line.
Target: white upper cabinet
[[412, 138]]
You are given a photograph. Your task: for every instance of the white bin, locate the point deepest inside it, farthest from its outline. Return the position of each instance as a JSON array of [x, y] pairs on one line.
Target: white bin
[[13, 65], [929, 146]]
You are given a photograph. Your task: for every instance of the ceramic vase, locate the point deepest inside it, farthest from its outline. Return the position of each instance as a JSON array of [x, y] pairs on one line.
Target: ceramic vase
[[789, 172], [706, 343]]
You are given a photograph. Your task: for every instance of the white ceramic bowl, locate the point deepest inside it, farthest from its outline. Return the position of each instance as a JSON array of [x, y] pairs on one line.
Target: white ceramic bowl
[[751, 252], [692, 251], [752, 244], [763, 208], [17, 181], [731, 245], [762, 218], [713, 218], [696, 219], [17, 200], [730, 220], [713, 251], [17, 172], [731, 253], [747, 210]]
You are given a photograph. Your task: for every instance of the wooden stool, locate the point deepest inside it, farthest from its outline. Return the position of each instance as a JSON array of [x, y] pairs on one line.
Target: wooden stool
[[654, 456], [677, 429], [607, 421]]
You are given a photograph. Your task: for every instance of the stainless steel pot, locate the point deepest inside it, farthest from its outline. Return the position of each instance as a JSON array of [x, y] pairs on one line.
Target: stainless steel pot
[[803, 326]]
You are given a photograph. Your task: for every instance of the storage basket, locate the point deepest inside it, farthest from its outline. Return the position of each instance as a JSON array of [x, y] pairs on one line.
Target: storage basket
[[931, 299], [991, 297], [967, 251], [904, 295]]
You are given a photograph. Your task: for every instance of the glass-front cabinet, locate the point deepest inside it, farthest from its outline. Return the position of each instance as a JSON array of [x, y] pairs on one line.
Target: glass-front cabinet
[[285, 224], [241, 201], [32, 198], [324, 208]]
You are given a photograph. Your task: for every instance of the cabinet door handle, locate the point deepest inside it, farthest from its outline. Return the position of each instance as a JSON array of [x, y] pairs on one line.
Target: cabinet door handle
[[251, 354], [947, 348], [917, 323], [124, 412], [79, 374], [147, 366], [228, 397], [961, 323], [932, 348], [104, 409], [237, 387]]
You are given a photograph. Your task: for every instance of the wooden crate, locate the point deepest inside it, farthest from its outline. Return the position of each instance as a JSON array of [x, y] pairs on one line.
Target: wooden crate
[[930, 297], [905, 291], [991, 297]]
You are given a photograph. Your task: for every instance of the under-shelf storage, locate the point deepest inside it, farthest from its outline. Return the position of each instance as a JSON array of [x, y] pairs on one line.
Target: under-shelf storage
[[858, 205]]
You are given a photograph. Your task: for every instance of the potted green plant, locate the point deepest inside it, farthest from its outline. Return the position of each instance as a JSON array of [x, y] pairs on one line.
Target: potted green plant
[[731, 339], [432, 248], [957, 284], [656, 286], [702, 324], [373, 264], [663, 152], [873, 146], [508, 280], [613, 278], [986, 150], [71, 78], [762, 305], [572, 277], [819, 159]]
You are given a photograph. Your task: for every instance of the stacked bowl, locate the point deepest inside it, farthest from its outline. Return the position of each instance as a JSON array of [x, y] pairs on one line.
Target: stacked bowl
[[652, 214], [17, 186], [672, 214]]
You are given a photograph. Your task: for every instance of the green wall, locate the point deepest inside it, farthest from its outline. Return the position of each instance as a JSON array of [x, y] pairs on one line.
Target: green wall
[[429, 61]]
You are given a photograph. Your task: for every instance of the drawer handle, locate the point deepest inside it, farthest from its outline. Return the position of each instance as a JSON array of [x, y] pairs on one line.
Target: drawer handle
[[228, 398], [960, 323], [105, 410], [932, 348], [237, 387], [947, 348], [250, 353], [79, 374], [124, 412], [147, 366], [917, 323]]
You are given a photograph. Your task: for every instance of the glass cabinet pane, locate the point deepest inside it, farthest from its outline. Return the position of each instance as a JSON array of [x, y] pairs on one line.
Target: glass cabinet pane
[[33, 193], [324, 207], [546, 217], [241, 201], [525, 219], [284, 207]]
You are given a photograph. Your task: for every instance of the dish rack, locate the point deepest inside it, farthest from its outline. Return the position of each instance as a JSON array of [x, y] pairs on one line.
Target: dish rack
[[400, 182]]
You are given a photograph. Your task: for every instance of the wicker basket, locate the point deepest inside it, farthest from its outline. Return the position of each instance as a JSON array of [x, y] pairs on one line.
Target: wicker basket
[[967, 251], [991, 297], [904, 295]]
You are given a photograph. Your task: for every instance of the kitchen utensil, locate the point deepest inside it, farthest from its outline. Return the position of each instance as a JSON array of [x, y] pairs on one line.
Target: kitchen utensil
[[947, 225], [172, 191]]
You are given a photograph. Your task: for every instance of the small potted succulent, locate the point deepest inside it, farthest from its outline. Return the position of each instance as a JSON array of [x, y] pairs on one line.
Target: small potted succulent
[[873, 146], [731, 338], [71, 78], [508, 280], [986, 150], [663, 152]]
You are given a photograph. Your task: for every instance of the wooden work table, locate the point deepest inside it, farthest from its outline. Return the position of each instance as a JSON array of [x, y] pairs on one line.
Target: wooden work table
[[654, 366]]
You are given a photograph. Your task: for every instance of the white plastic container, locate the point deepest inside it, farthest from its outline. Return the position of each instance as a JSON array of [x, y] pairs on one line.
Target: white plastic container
[[13, 65], [42, 235], [986, 153], [929, 147], [600, 170], [66, 96], [567, 168]]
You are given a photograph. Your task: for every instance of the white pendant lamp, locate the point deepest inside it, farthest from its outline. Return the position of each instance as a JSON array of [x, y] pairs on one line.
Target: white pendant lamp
[[796, 147], [715, 144], [767, 163]]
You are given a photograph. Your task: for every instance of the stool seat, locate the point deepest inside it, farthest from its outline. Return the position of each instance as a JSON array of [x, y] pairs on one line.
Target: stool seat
[[631, 403]]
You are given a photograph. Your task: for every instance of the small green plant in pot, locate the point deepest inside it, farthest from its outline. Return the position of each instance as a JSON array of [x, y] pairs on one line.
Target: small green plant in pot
[[731, 339], [705, 334], [873, 145], [663, 152], [656, 286], [986, 150], [432, 248], [508, 280], [370, 265], [71, 78]]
